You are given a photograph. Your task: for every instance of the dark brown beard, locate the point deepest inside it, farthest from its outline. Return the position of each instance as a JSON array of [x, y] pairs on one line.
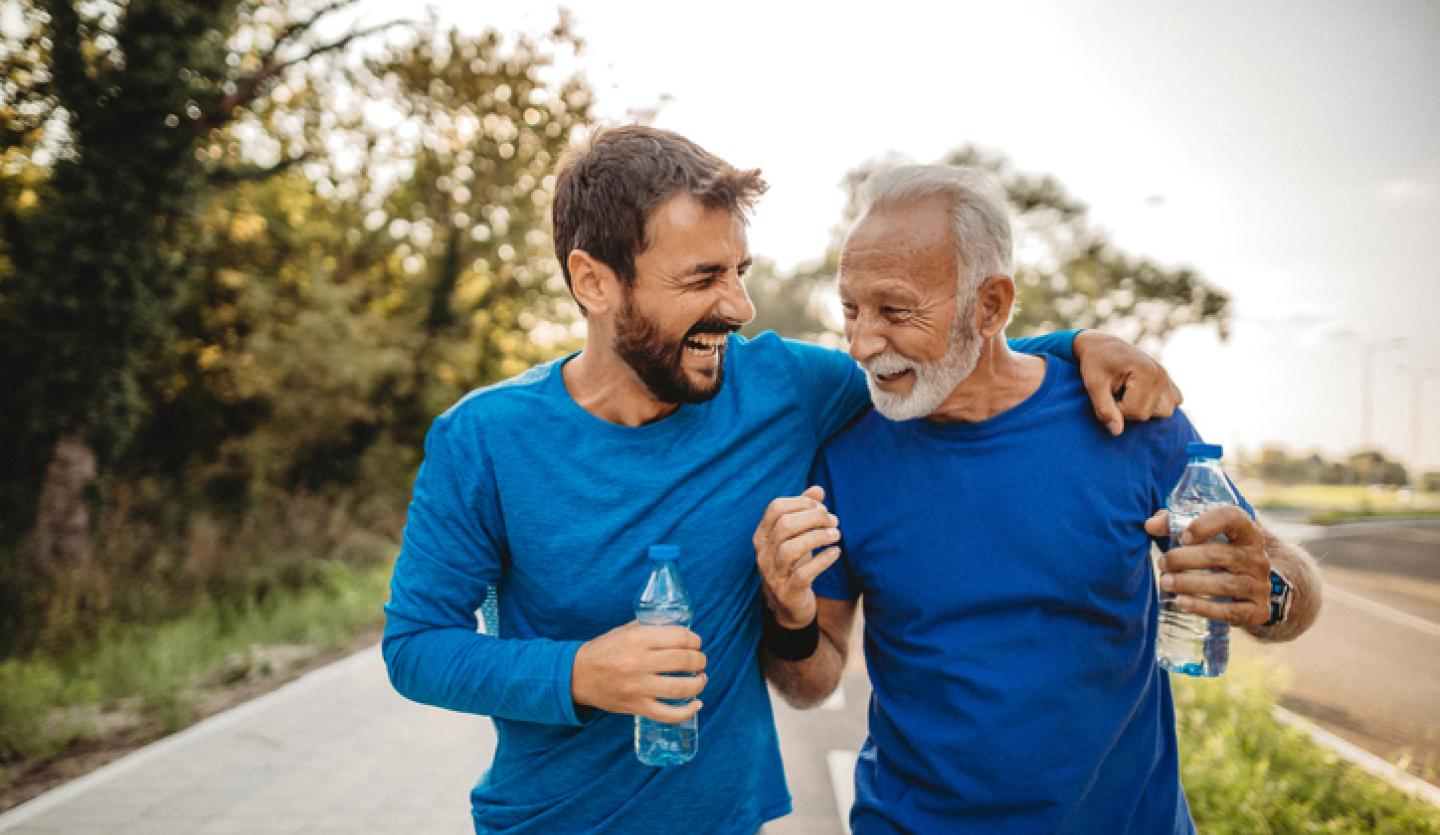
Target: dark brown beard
[[656, 360]]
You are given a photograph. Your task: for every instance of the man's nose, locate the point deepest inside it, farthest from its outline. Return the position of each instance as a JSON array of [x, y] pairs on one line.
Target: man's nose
[[867, 340], [735, 304]]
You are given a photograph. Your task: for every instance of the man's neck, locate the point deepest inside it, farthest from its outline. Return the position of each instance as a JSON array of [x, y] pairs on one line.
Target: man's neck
[[1002, 379], [607, 387]]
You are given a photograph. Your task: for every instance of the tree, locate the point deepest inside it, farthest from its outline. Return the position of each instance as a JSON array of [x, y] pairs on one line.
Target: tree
[[793, 303], [1068, 273], [340, 305], [1276, 465], [111, 111]]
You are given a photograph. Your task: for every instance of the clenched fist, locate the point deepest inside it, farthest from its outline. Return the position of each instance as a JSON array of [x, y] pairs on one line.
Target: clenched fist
[[786, 542]]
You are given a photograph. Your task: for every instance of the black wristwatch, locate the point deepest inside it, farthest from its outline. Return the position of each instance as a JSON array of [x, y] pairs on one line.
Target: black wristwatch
[[1280, 599]]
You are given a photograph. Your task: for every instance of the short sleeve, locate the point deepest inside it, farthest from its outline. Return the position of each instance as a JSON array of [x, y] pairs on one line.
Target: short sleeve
[[1058, 344]]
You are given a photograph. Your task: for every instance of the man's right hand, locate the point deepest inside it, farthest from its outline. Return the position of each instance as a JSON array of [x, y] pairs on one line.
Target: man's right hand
[[791, 530], [623, 671]]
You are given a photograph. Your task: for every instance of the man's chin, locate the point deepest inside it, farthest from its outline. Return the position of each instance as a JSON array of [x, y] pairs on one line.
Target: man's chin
[[897, 407], [703, 387], [689, 387]]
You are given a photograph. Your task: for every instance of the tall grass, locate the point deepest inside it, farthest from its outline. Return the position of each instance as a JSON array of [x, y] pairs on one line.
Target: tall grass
[[156, 672], [1248, 775]]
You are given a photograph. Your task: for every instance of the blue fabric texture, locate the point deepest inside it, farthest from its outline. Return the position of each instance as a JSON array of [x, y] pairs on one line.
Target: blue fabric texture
[[1010, 617], [524, 491]]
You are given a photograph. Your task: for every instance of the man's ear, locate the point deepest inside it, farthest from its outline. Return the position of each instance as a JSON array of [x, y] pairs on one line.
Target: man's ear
[[595, 285], [995, 301]]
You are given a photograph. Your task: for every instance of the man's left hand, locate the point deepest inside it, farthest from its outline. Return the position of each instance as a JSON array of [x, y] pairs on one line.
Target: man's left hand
[[1124, 382], [1188, 569]]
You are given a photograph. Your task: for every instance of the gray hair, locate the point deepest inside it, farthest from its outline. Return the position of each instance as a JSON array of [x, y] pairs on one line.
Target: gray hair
[[978, 214]]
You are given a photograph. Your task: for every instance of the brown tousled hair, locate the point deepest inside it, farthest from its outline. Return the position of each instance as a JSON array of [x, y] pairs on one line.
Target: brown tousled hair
[[606, 191]]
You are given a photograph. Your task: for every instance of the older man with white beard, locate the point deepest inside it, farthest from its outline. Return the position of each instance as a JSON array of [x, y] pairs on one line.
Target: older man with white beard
[[999, 541]]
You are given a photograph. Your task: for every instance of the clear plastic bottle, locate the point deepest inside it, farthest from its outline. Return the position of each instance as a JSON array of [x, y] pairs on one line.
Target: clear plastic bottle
[[664, 602], [1189, 643]]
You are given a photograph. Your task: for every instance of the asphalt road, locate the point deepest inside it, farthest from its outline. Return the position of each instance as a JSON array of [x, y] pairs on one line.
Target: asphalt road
[[1369, 670]]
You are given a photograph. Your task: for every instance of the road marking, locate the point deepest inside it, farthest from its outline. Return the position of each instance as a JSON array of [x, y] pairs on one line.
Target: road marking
[[1361, 758], [1394, 615], [842, 783]]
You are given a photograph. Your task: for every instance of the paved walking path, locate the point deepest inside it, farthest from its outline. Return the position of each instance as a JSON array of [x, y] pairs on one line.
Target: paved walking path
[[335, 751], [339, 751]]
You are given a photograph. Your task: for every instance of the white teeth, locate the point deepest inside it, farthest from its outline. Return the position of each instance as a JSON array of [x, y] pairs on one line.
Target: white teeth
[[705, 344]]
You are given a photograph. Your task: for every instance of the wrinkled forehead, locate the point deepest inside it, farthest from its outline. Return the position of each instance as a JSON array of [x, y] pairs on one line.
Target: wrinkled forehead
[[897, 249]]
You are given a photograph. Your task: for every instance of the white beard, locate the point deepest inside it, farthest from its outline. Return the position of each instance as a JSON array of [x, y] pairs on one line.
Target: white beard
[[933, 381]]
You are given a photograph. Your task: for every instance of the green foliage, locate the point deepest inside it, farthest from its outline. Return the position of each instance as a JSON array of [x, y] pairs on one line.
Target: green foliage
[[1340, 517], [792, 303], [342, 304], [159, 557], [1276, 465], [1246, 774], [1068, 273], [347, 241], [91, 265], [149, 679]]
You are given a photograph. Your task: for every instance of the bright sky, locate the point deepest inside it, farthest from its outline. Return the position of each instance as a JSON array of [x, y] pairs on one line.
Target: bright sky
[[1290, 151]]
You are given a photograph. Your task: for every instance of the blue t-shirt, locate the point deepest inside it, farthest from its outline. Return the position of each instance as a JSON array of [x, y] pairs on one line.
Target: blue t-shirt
[[524, 490], [1010, 618]]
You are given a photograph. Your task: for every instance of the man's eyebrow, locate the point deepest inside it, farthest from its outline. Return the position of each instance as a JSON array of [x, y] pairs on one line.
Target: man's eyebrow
[[717, 267]]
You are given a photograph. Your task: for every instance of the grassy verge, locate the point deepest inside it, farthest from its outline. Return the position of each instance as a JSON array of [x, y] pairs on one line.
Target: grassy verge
[[1338, 497], [1337, 517], [148, 680], [1244, 773]]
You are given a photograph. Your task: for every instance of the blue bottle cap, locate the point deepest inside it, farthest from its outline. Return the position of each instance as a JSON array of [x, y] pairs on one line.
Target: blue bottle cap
[[1195, 449], [664, 552]]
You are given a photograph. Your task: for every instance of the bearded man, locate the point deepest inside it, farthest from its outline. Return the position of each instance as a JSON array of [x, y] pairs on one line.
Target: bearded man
[[1000, 547], [666, 428]]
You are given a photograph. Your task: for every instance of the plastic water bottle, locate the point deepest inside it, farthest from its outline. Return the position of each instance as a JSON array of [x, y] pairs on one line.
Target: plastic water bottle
[[1189, 643], [664, 602]]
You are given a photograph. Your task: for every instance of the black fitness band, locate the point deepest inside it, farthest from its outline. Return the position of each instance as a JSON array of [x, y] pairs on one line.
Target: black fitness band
[[788, 644]]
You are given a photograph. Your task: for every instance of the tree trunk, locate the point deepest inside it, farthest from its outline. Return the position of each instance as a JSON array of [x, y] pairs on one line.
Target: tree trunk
[[62, 541]]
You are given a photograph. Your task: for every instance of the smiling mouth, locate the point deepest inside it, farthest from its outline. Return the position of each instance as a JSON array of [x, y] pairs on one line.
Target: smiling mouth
[[704, 344], [892, 377]]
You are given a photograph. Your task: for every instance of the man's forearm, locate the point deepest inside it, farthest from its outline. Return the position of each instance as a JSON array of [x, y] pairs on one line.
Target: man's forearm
[[457, 669], [1306, 590], [805, 684]]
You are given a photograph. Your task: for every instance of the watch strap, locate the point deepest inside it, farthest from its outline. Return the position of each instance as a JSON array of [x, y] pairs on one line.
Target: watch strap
[[1279, 598]]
